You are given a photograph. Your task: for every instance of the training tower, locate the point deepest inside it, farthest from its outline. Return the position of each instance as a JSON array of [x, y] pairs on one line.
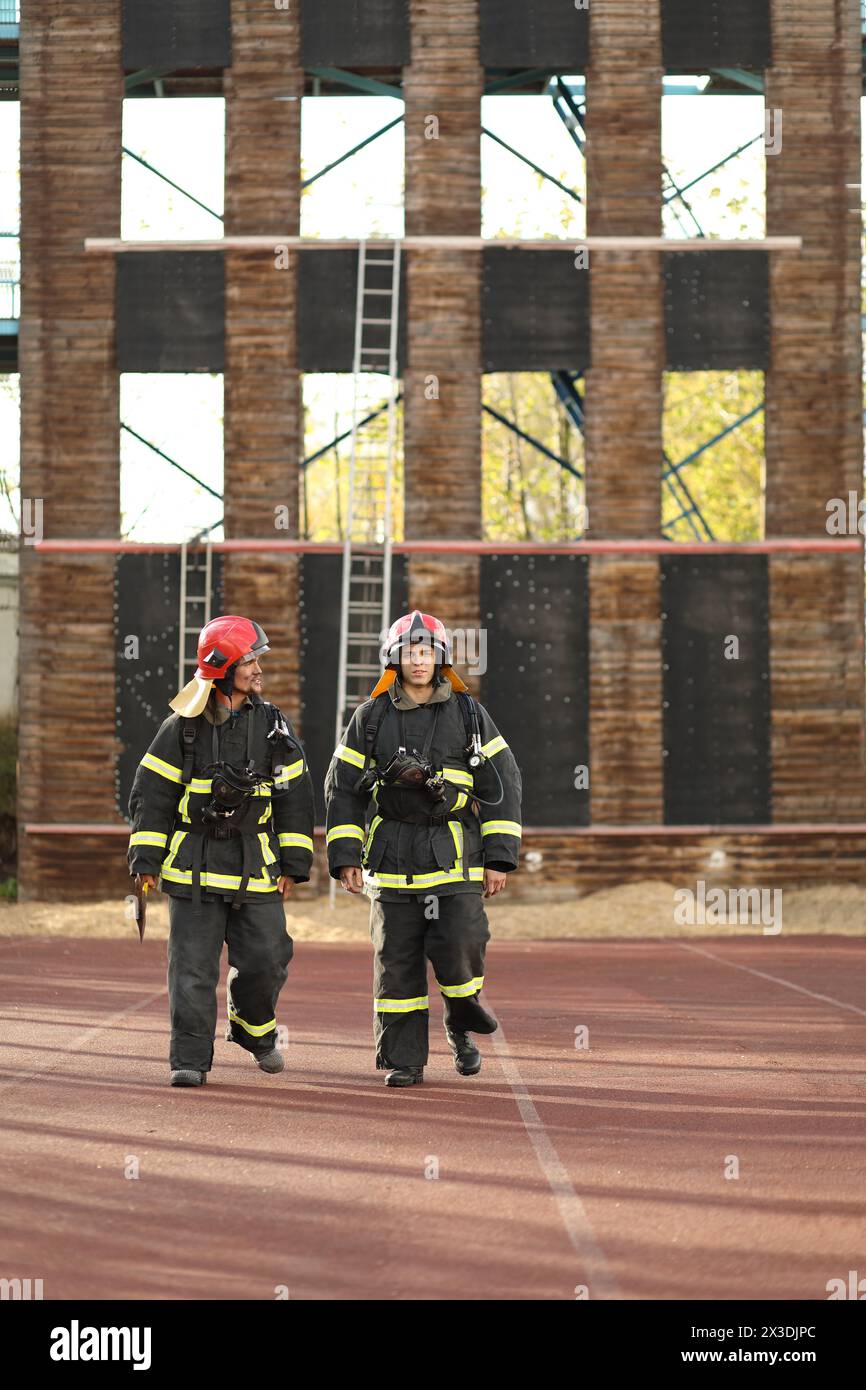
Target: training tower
[[609, 653]]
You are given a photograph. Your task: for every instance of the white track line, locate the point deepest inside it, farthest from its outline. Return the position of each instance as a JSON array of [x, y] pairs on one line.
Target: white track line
[[775, 979], [83, 1038], [599, 1276]]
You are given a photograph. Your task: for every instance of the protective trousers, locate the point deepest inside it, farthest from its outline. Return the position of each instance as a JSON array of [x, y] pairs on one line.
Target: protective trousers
[[259, 951], [405, 935]]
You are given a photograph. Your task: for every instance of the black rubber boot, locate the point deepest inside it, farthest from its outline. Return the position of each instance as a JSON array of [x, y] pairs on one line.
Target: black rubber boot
[[271, 1062], [187, 1077], [467, 1058], [404, 1076]]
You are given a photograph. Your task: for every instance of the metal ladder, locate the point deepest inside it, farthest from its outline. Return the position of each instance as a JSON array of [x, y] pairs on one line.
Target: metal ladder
[[365, 602], [195, 593]]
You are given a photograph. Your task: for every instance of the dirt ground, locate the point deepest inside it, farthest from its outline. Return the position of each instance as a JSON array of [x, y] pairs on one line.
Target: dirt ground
[[644, 909]]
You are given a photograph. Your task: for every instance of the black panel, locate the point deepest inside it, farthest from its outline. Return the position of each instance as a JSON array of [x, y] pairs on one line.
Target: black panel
[[320, 578], [702, 34], [354, 33], [535, 612], [147, 599], [534, 34], [172, 34], [170, 311], [535, 307], [716, 714], [717, 310], [327, 287]]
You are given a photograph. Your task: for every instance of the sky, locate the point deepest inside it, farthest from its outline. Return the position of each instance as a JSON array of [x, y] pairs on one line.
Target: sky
[[185, 139]]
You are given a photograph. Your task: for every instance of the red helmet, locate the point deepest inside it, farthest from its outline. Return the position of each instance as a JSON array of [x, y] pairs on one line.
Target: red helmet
[[226, 640], [416, 627]]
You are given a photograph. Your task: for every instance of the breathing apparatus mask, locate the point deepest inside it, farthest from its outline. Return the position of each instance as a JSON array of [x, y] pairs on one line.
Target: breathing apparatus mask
[[231, 789]]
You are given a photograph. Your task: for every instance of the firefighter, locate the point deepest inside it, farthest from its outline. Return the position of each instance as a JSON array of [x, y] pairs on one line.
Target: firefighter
[[222, 811], [423, 814]]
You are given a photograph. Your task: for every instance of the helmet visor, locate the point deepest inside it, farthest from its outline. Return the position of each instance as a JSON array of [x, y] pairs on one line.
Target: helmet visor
[[254, 653]]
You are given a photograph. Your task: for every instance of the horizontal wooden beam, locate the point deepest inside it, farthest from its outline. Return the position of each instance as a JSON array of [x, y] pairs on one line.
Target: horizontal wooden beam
[[111, 245], [812, 545]]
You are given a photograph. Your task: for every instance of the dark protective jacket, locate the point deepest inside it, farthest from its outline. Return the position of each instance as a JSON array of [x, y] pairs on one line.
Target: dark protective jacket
[[389, 833], [166, 814]]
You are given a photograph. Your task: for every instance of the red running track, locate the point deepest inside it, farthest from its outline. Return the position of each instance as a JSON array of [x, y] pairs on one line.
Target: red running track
[[558, 1168]]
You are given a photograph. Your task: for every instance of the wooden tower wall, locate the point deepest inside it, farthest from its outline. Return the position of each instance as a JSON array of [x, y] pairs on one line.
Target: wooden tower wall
[[814, 427], [71, 159], [442, 386], [624, 410], [70, 189], [263, 414]]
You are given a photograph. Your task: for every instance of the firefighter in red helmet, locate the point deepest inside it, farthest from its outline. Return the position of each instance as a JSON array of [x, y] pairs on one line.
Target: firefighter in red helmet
[[222, 814], [423, 814]]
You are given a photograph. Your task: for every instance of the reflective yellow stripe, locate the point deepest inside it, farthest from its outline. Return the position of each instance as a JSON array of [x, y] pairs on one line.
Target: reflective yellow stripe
[[266, 814], [268, 856], [456, 774], [255, 1030], [419, 881], [501, 827], [461, 801], [401, 1006], [155, 764], [293, 837], [177, 840], [349, 755], [494, 746], [375, 822], [148, 837], [457, 836], [183, 808], [287, 774], [210, 880], [345, 832], [460, 991]]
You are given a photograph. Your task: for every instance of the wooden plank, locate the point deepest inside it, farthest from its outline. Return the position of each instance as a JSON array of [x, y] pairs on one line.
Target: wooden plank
[[586, 863], [434, 242], [816, 545]]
